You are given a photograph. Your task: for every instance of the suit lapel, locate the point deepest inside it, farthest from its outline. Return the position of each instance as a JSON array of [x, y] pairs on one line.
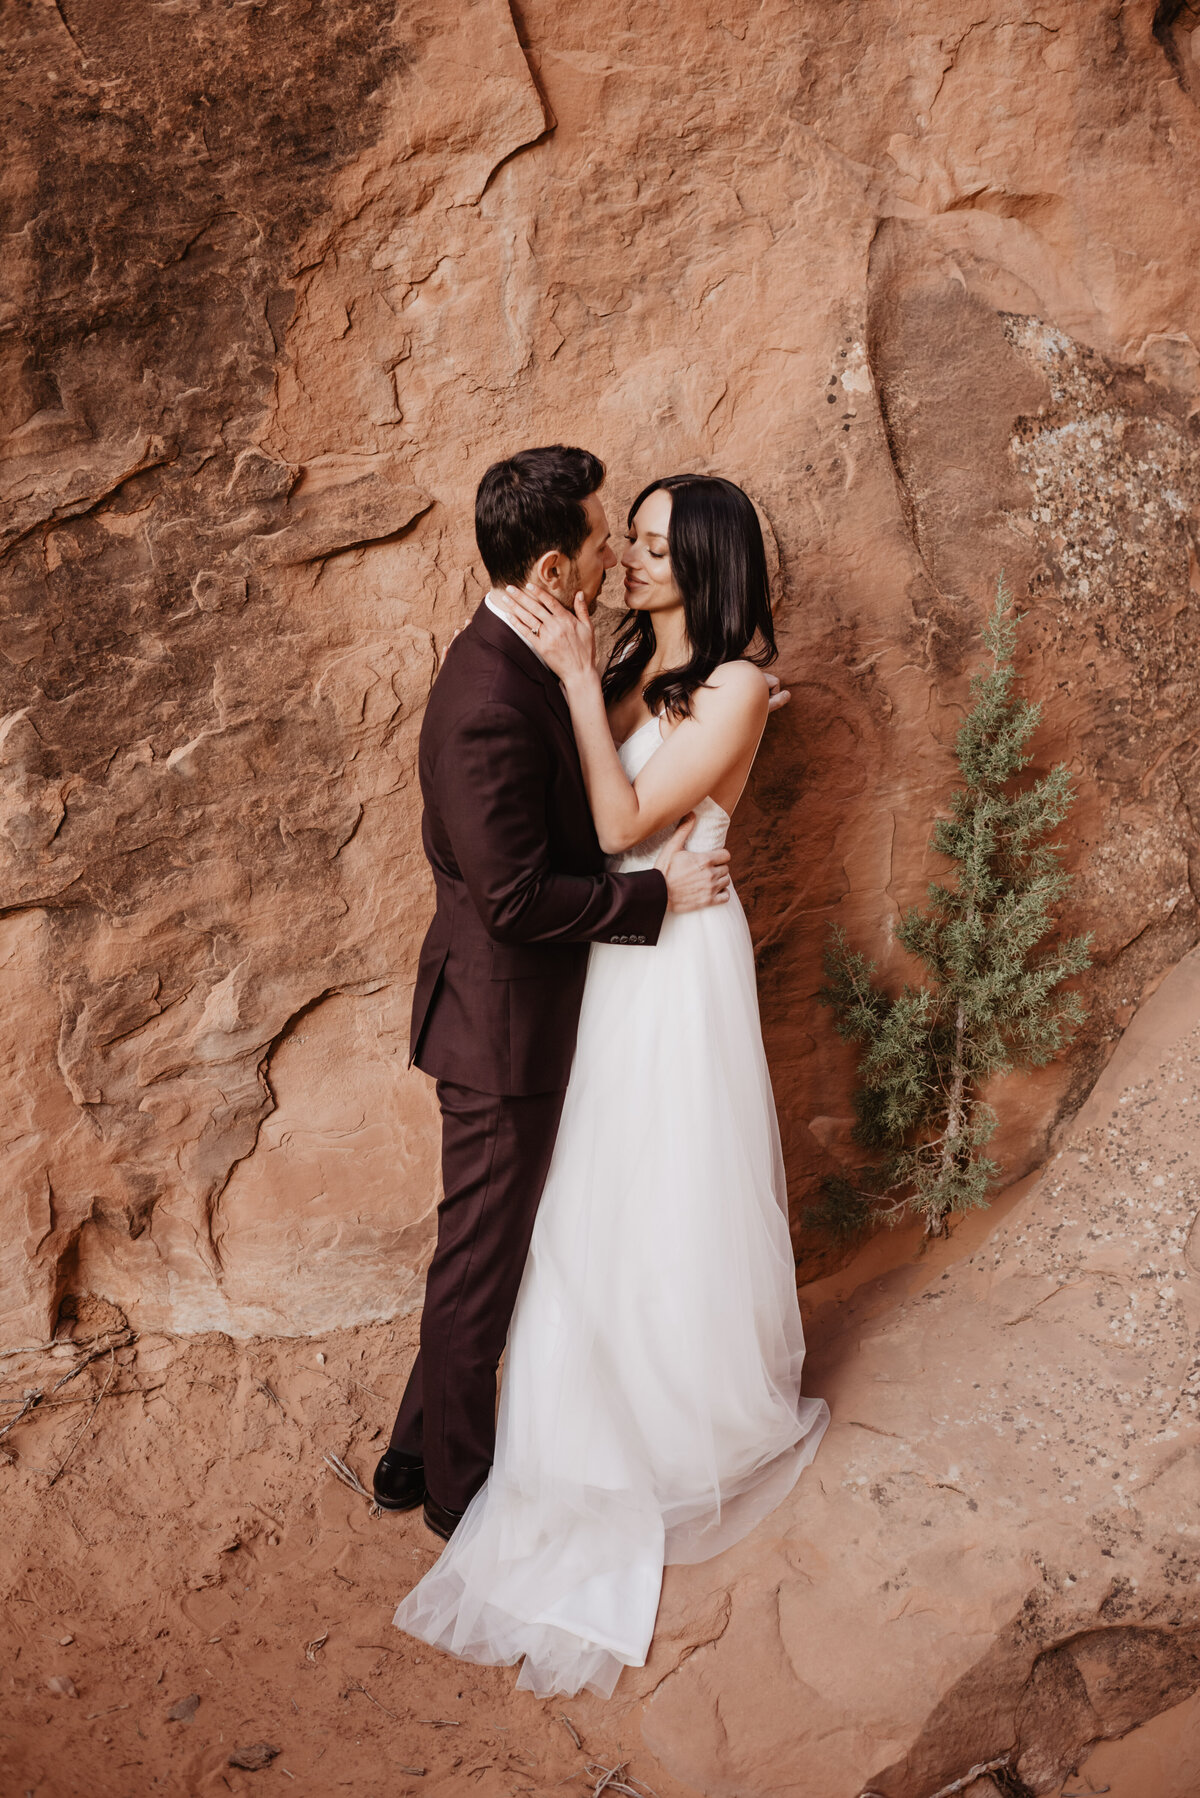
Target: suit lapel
[[501, 636]]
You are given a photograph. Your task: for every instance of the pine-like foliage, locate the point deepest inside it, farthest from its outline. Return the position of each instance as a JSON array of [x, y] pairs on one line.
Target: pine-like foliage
[[990, 1001]]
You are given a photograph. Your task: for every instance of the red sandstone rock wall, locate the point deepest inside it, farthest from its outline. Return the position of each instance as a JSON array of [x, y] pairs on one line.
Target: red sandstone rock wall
[[281, 280]]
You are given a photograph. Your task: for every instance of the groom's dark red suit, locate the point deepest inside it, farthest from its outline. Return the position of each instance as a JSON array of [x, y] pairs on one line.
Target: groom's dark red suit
[[521, 892]]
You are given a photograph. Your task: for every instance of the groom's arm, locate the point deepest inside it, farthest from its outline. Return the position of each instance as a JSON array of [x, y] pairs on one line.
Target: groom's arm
[[492, 777]]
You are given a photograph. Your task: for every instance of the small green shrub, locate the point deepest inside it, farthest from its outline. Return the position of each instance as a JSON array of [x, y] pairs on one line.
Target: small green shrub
[[991, 1000]]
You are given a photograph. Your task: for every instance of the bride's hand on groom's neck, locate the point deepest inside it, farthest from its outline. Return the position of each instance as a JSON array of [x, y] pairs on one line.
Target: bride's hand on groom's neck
[[562, 636]]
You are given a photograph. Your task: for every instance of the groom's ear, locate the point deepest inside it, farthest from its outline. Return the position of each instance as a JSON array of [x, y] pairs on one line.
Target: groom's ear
[[549, 571]]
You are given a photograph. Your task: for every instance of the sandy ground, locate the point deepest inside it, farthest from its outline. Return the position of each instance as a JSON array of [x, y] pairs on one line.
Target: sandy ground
[[196, 1544], [196, 1555]]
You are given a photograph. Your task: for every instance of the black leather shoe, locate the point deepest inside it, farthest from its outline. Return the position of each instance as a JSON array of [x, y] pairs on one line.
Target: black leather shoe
[[440, 1518], [399, 1482]]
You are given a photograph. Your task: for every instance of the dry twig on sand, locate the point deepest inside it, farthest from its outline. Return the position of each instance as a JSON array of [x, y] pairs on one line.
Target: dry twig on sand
[[349, 1478], [369, 1390], [112, 1368], [124, 1333], [33, 1396], [109, 1342], [54, 1404], [122, 1339], [571, 1730], [357, 1686], [615, 1779]]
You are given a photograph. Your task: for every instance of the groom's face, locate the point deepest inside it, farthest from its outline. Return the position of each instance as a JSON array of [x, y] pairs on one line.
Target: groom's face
[[564, 578]]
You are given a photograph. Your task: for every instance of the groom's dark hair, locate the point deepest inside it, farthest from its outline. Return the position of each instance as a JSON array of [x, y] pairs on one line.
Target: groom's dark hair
[[533, 502]]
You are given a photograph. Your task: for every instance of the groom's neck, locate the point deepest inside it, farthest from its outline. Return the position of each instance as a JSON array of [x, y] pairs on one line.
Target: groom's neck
[[490, 600]]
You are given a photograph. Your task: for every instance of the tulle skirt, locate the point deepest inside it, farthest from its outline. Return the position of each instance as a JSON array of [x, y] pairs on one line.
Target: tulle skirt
[[650, 1407]]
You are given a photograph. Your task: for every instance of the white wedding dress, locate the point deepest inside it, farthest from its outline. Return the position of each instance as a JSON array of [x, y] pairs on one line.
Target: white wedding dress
[[650, 1406]]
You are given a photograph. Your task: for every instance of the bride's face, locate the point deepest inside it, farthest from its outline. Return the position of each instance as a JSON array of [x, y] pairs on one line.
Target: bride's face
[[649, 578]]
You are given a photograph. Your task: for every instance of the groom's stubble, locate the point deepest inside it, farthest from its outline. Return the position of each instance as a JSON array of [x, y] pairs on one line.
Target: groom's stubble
[[592, 600], [572, 585]]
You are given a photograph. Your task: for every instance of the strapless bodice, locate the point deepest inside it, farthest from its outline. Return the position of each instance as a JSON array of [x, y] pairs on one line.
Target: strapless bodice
[[712, 822]]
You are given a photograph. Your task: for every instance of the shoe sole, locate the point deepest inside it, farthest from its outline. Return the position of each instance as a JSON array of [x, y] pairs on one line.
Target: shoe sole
[[437, 1529], [394, 1504]]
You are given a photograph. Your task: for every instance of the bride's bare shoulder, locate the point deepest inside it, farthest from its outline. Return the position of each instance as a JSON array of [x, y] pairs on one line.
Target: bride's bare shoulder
[[734, 687]]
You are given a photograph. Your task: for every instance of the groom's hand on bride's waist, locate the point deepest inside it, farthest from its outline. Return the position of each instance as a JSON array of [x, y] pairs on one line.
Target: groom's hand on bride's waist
[[693, 880]]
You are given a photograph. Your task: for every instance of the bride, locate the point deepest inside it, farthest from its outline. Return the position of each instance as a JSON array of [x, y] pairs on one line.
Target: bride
[[650, 1409]]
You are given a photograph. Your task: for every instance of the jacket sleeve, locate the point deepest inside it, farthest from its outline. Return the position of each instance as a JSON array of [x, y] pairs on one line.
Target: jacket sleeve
[[492, 777]]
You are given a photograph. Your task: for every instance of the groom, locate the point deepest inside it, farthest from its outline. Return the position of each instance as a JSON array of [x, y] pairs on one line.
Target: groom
[[521, 892]]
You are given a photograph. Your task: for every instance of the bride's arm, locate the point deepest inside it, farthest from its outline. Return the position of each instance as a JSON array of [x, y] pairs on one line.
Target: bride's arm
[[727, 720]]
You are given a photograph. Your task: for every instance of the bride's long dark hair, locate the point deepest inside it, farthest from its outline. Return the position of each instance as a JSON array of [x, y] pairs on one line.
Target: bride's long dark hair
[[720, 567]]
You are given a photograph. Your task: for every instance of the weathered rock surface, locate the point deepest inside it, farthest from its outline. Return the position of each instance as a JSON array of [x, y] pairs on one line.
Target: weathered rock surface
[[995, 1554], [281, 282], [997, 1551]]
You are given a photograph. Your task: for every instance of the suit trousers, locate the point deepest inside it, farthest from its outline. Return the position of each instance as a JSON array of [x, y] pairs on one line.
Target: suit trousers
[[495, 1157]]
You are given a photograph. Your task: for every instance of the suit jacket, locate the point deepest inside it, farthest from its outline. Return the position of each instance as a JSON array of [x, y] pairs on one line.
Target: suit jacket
[[520, 877]]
